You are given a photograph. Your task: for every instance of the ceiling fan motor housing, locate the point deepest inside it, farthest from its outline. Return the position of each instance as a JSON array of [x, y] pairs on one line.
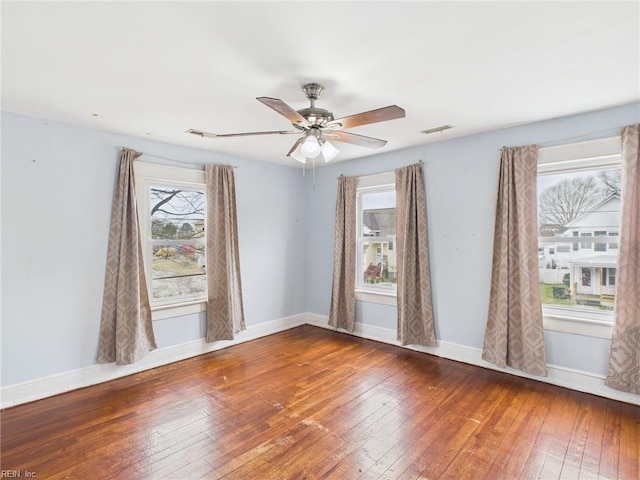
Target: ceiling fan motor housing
[[316, 116], [312, 90]]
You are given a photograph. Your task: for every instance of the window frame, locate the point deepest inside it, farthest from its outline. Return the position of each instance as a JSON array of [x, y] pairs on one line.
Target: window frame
[[569, 158], [151, 174], [381, 182]]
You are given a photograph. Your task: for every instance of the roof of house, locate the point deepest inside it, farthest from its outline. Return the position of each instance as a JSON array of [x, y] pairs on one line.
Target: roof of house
[[381, 221], [596, 261], [588, 219]]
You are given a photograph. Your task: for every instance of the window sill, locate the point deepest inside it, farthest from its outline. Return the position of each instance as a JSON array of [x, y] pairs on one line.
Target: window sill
[[381, 298], [566, 323], [170, 311]]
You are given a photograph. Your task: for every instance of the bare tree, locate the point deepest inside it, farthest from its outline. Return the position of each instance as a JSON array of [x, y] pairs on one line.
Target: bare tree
[[568, 199], [176, 202], [611, 180], [171, 208]]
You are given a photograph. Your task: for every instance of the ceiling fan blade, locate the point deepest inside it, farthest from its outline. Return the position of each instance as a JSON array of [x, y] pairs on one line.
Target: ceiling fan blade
[[244, 134], [379, 115], [355, 139], [284, 109], [295, 145]]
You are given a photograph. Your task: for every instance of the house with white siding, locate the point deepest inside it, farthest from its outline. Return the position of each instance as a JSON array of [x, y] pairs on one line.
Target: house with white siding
[[589, 254]]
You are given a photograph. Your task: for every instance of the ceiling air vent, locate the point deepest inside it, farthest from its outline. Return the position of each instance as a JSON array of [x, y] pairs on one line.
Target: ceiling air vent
[[201, 133], [436, 129]]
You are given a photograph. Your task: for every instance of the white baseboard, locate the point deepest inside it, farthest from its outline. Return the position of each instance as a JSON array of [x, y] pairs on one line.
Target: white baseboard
[[98, 373], [579, 380], [83, 377]]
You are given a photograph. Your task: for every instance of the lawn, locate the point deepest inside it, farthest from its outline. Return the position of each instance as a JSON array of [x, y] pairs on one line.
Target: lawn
[[546, 294]]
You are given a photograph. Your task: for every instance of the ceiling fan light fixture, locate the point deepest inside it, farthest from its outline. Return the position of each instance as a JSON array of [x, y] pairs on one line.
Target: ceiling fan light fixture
[[329, 151], [311, 147], [298, 155]]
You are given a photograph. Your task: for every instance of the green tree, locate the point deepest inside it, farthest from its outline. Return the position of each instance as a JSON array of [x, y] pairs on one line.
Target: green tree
[[168, 230], [186, 230]]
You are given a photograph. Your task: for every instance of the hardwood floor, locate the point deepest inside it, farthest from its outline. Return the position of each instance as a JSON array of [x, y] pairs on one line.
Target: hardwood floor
[[310, 403]]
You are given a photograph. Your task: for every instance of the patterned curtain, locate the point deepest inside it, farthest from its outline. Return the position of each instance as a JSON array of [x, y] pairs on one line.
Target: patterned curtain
[[225, 315], [343, 296], [126, 330], [624, 360], [514, 334], [415, 312]]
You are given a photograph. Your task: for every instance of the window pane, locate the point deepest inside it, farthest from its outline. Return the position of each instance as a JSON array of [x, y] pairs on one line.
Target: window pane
[[577, 270], [379, 264], [178, 270], [176, 214], [172, 288], [378, 214]]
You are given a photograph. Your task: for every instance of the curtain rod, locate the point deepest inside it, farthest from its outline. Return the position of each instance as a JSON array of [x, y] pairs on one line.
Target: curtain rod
[[420, 162], [563, 140], [560, 141], [174, 160]]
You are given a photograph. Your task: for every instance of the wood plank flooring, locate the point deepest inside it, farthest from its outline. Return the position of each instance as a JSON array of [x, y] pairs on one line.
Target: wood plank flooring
[[310, 403]]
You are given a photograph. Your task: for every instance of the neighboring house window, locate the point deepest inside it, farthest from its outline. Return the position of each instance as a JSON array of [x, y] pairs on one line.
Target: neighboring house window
[[600, 247], [609, 277], [579, 219], [376, 233], [171, 210]]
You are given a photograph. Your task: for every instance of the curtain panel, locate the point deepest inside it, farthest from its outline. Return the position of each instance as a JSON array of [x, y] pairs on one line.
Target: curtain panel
[[126, 329], [514, 334], [225, 314], [415, 311], [624, 360], [343, 296]]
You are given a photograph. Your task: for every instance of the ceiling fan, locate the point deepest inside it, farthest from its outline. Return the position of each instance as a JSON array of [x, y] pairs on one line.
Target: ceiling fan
[[317, 126]]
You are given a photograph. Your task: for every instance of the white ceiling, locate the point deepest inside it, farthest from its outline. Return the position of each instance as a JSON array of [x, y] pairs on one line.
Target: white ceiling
[[156, 69]]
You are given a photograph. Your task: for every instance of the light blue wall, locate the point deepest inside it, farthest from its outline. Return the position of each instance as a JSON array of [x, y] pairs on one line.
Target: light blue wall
[[57, 188], [461, 178]]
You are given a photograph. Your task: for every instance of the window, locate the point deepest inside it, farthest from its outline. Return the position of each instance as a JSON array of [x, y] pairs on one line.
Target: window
[[176, 242], [600, 246], [171, 210], [608, 277], [579, 219], [376, 233]]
